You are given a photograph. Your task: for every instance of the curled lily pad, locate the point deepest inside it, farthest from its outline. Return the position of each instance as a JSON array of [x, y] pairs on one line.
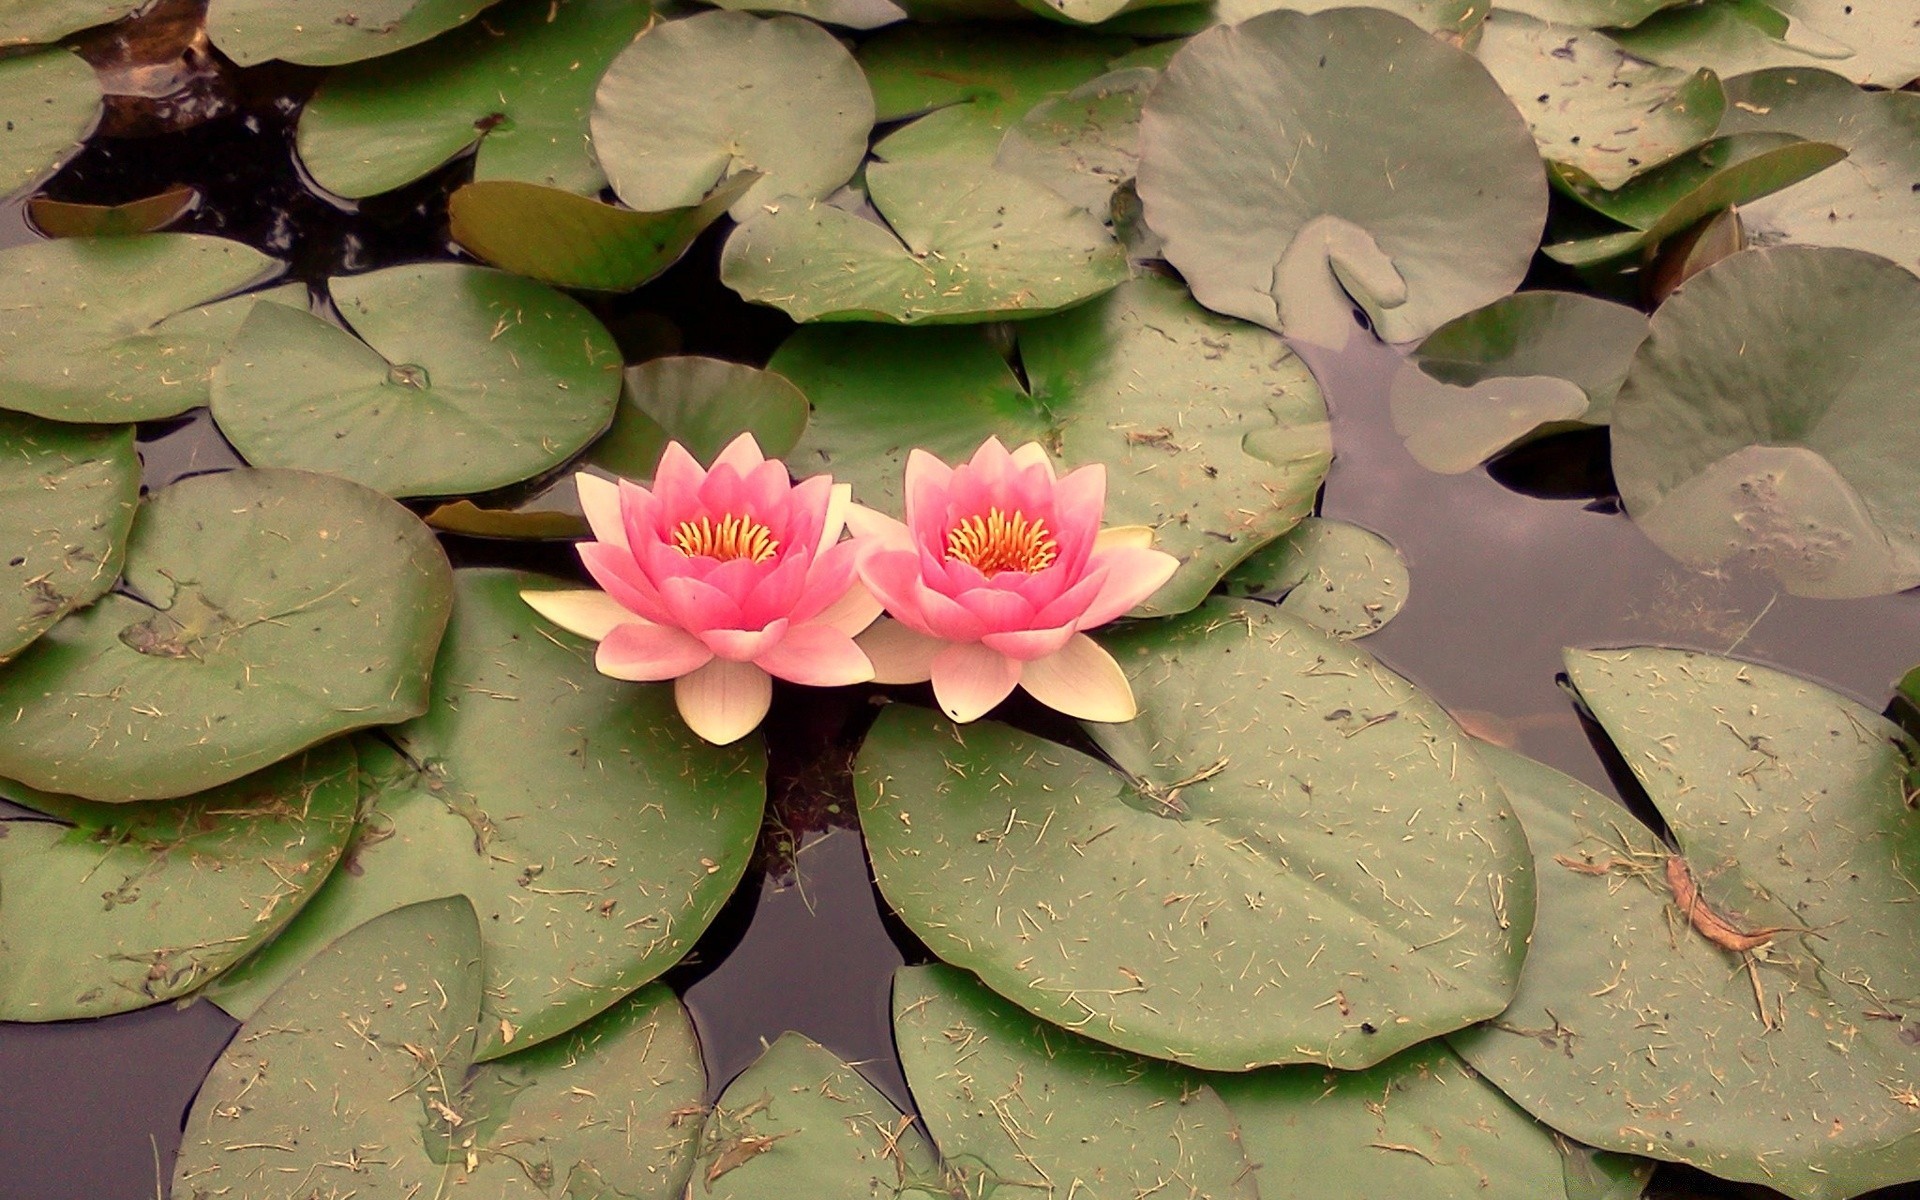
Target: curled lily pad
[[52, 101], [1277, 160], [1869, 43], [1594, 108], [119, 329], [799, 1122], [67, 495], [960, 242], [111, 907], [1533, 362], [60, 218], [1593, 14], [700, 99], [849, 14], [1762, 419], [327, 33], [1867, 202], [594, 834], [1014, 1103], [1741, 1008], [1339, 578], [261, 612], [1264, 877], [1456, 20], [452, 379], [1086, 143], [519, 85], [26, 22], [576, 242], [1214, 434]]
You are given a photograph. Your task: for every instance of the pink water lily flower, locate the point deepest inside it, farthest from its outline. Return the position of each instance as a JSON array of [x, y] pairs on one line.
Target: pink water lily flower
[[719, 580], [997, 571]]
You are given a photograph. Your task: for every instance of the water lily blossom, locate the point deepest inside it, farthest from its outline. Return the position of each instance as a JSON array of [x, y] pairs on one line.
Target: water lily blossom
[[995, 575], [720, 580]]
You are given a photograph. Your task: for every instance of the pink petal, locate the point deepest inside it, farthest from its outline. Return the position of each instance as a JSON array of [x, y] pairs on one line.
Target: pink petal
[[1033, 455], [584, 612], [839, 500], [806, 516], [696, 606], [613, 568], [600, 501], [1132, 576], [996, 610], [899, 654], [827, 579], [742, 454], [969, 680], [871, 524], [856, 609], [893, 576], [1069, 606], [1025, 645], [817, 656], [723, 701], [1081, 680], [777, 592], [1078, 502], [676, 484], [745, 645], [645, 653]]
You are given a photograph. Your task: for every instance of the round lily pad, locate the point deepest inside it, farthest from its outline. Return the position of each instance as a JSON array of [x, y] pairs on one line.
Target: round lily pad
[[520, 85], [52, 101], [67, 495], [26, 22], [960, 242], [1297, 857], [1337, 577], [1867, 202], [702, 98], [1080, 1111], [1641, 1025], [1766, 418], [467, 379], [595, 836], [1213, 433], [1593, 107], [1293, 160], [121, 328], [328, 33], [261, 612], [1084, 144], [111, 907]]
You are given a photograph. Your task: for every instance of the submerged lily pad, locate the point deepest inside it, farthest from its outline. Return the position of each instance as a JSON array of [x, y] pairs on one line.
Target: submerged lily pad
[[111, 907], [960, 242], [1764, 418], [26, 22], [52, 101], [1084, 144], [1868, 202], [1278, 160], [1337, 577], [119, 329], [262, 612], [1012, 1101], [1296, 859], [1214, 434], [328, 33], [1641, 1025], [594, 834], [700, 99], [67, 495], [519, 86]]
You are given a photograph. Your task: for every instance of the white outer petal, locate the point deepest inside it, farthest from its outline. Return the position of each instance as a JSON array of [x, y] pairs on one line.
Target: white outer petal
[[837, 506], [600, 500], [1139, 537], [899, 654], [853, 612], [586, 612], [1081, 680], [724, 701], [872, 523]]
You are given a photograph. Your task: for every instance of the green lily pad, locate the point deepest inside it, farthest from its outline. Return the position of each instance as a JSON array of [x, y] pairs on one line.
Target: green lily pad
[[67, 495], [1764, 419], [1457, 20], [1084, 144], [1594, 108], [329, 33], [519, 85], [112, 907], [1633, 1030], [576, 242], [52, 100], [1532, 363], [467, 379], [1214, 434], [849, 14], [965, 85], [1867, 202], [353, 1067], [700, 99], [801, 1123], [1728, 171], [1016, 1104], [1278, 158], [60, 218], [1420, 1124], [1265, 876], [1337, 577], [961, 242], [594, 834], [1874, 44], [262, 612], [1592, 14], [119, 329], [28, 22]]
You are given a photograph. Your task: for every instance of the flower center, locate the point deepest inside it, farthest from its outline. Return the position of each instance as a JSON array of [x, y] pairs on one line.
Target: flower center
[[729, 538], [1002, 542]]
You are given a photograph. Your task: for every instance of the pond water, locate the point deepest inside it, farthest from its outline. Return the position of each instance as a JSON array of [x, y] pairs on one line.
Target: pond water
[[1509, 565]]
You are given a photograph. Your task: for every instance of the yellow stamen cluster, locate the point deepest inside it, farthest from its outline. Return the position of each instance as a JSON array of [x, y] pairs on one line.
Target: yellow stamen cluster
[[1002, 542], [730, 538]]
